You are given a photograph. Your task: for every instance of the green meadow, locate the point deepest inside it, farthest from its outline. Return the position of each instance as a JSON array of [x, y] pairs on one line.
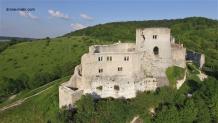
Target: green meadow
[[28, 65], [42, 108]]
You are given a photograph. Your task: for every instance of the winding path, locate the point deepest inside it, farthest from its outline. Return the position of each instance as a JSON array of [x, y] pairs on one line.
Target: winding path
[[20, 101]]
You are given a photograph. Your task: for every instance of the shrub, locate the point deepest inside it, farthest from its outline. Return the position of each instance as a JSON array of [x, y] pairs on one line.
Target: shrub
[[41, 78]]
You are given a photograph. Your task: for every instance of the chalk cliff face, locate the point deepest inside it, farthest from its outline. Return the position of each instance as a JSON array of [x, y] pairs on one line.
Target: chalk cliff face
[[120, 70]]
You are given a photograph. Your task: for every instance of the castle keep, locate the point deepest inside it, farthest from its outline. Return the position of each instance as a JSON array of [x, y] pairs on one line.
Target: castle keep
[[121, 70]]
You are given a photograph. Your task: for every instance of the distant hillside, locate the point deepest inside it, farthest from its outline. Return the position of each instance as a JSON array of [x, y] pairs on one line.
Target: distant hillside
[[6, 42], [6, 38], [196, 33], [126, 30]]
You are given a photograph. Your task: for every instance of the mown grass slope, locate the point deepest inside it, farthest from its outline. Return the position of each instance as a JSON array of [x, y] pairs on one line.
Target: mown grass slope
[[42, 108]]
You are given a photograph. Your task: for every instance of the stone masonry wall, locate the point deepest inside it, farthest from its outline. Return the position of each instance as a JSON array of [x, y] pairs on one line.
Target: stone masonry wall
[[121, 70]]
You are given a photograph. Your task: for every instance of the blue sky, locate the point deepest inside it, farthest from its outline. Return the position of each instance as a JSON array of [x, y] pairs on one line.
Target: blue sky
[[56, 17]]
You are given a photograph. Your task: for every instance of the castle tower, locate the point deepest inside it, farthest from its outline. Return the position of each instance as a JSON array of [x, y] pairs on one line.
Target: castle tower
[[155, 44], [155, 41]]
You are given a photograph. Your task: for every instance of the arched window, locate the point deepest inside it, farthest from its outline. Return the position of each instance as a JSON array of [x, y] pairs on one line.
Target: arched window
[[156, 50]]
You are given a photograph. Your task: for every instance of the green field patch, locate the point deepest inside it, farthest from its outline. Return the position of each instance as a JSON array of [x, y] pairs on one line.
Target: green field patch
[[173, 74], [28, 65]]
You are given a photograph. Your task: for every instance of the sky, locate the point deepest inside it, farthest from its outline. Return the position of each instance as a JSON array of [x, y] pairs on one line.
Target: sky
[[52, 18]]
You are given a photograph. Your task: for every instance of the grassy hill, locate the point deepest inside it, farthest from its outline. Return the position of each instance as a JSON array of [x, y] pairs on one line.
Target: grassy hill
[[6, 38], [39, 109], [27, 65]]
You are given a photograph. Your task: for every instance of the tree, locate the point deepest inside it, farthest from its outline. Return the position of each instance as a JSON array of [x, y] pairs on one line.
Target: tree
[[23, 80], [167, 114], [113, 111], [56, 73], [48, 40], [66, 115], [188, 113], [41, 78], [85, 109], [203, 115]]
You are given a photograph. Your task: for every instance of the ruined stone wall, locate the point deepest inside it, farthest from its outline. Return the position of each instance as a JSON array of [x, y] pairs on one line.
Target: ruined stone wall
[[155, 62], [106, 72], [196, 58], [202, 61], [117, 47], [76, 79], [149, 38], [67, 96], [91, 64], [178, 55], [155, 66], [103, 87], [117, 87], [147, 84]]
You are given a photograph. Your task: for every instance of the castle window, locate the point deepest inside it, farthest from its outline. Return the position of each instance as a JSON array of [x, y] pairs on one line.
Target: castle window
[[100, 58], [120, 69], [126, 58], [116, 87], [143, 36], [99, 87], [154, 36], [109, 58], [100, 70], [156, 50]]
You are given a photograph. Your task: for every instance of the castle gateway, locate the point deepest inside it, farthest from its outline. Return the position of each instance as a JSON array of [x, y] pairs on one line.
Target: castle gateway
[[121, 70]]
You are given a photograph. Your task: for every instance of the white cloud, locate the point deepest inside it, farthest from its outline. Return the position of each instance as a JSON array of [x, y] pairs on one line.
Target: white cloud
[[86, 17], [58, 14], [77, 26], [27, 15]]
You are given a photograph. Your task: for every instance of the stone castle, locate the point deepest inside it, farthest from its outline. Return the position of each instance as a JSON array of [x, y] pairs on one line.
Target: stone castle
[[121, 70]]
